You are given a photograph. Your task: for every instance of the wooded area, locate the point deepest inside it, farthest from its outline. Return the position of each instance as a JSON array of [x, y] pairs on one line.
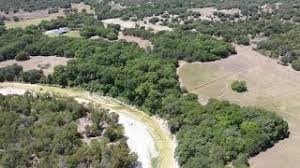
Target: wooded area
[[214, 135], [41, 131]]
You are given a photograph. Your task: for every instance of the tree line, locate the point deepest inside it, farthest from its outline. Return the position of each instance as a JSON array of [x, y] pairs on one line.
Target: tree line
[[125, 71]]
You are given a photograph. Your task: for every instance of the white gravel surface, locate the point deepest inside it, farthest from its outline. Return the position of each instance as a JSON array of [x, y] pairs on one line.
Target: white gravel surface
[[12, 91], [139, 139]]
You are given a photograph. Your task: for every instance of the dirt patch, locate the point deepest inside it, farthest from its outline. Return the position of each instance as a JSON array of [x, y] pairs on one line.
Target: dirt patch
[[83, 7], [133, 24], [208, 12], [141, 42], [12, 91], [30, 18], [44, 63], [271, 86]]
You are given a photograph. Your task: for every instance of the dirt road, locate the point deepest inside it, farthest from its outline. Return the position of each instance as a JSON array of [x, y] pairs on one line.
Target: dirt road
[[161, 157]]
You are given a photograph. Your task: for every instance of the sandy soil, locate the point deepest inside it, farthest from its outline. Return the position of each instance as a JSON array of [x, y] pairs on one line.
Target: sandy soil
[[270, 85], [163, 141], [139, 140], [208, 12], [141, 42], [12, 91], [30, 18], [37, 61], [133, 24], [81, 6]]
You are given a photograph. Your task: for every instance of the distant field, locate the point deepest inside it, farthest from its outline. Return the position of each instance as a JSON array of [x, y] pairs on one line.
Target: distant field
[[36, 17], [38, 61], [81, 6], [25, 23], [270, 85]]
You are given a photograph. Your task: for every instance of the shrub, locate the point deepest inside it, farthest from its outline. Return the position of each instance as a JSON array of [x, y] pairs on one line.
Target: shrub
[[154, 20], [239, 86], [243, 40], [296, 65], [22, 56]]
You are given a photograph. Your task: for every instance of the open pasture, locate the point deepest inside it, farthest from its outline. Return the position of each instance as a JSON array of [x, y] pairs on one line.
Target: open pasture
[[270, 85]]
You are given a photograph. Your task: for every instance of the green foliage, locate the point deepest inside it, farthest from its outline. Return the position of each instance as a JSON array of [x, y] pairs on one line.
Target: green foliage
[[208, 136], [244, 40], [41, 131], [226, 133], [296, 64], [16, 73], [190, 46], [239, 86], [22, 56]]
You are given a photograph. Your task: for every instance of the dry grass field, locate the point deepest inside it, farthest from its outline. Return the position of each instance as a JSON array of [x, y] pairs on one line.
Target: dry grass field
[[30, 18], [36, 17], [270, 85], [132, 24], [37, 62], [141, 42]]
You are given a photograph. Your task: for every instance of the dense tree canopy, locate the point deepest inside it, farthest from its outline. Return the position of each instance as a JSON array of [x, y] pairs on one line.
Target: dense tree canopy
[[209, 136], [41, 131]]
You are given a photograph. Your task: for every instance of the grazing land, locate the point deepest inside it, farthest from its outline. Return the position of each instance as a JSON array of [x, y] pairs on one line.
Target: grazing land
[[270, 85], [141, 42], [26, 18], [45, 63], [133, 24]]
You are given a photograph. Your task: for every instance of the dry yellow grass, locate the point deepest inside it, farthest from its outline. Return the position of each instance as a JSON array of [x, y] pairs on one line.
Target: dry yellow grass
[[81, 7], [28, 22], [271, 86], [37, 62]]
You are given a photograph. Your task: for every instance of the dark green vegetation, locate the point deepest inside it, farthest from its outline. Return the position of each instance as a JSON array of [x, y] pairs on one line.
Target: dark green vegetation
[[87, 25], [123, 70], [31, 40], [41, 131], [239, 86], [22, 56], [227, 132], [32, 5], [208, 136], [286, 45], [16, 73], [191, 46], [279, 23]]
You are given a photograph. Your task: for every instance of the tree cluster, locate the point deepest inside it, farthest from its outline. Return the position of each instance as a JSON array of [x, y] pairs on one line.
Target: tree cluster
[[190, 46], [16, 73], [41, 131]]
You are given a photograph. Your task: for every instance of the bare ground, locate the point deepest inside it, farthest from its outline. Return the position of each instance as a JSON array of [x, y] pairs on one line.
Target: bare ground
[[141, 42], [272, 86], [208, 12], [133, 24], [37, 61]]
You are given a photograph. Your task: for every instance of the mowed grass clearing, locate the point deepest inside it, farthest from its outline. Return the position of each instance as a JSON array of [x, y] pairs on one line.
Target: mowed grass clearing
[[270, 85]]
